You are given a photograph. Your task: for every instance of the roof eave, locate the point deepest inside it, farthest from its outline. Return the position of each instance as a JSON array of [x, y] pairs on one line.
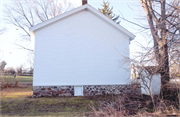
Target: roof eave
[[87, 6], [129, 34], [42, 24]]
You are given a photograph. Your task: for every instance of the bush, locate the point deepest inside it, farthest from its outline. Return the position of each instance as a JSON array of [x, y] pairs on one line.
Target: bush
[[142, 105]]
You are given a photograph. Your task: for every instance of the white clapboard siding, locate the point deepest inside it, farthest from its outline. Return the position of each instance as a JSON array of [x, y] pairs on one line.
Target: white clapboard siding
[[81, 49]]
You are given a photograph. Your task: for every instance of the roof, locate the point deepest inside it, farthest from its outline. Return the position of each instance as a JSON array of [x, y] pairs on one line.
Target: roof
[[84, 7]]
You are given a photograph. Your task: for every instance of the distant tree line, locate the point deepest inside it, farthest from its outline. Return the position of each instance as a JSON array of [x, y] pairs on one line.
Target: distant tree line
[[18, 71]]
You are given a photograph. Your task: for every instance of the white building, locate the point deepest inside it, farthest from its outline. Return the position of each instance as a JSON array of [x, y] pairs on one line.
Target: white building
[[149, 77], [78, 53]]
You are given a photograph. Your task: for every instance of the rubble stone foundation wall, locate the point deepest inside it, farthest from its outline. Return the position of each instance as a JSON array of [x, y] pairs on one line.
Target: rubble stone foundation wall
[[88, 90], [111, 89], [47, 91]]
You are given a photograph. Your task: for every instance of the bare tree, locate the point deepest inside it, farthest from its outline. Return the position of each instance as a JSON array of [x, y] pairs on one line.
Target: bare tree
[[163, 20], [27, 13], [2, 31]]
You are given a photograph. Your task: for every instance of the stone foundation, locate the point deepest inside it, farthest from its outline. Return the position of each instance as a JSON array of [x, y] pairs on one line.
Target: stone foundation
[[111, 89], [88, 90], [46, 91]]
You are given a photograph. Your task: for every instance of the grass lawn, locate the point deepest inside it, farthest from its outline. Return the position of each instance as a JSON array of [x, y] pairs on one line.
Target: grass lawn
[[18, 102], [28, 79]]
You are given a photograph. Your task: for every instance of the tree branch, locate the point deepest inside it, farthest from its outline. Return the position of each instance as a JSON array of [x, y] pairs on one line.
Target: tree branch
[[24, 47]]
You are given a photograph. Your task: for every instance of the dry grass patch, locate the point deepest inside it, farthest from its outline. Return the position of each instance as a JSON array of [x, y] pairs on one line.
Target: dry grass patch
[[136, 106], [16, 92], [18, 102]]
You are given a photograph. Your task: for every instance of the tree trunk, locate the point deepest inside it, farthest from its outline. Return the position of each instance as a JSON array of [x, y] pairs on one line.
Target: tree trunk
[[159, 34], [164, 71]]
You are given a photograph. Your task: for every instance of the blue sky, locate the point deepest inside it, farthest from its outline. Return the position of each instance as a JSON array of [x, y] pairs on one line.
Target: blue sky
[[129, 9]]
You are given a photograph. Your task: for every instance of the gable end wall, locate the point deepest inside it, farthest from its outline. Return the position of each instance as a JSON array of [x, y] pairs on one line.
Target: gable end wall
[[80, 50]]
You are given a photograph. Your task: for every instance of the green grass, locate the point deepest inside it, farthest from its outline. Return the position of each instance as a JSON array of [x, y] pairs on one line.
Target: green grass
[[18, 102], [28, 79]]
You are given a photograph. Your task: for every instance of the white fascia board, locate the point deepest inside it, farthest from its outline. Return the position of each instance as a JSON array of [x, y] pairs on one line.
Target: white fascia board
[[93, 10], [40, 25], [131, 36]]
